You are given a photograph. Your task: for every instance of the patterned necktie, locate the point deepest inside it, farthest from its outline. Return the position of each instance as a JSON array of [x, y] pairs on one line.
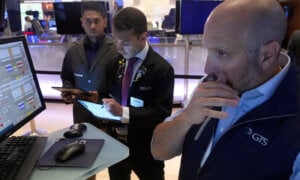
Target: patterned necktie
[[127, 80]]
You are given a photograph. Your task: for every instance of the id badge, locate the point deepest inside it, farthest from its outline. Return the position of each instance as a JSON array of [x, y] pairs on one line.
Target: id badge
[[135, 102]]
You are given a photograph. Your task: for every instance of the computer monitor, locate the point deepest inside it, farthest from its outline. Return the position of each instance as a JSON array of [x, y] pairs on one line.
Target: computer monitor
[[193, 14], [67, 16], [20, 94]]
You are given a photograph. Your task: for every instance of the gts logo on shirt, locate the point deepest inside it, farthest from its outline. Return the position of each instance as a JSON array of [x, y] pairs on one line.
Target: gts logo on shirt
[[256, 137]]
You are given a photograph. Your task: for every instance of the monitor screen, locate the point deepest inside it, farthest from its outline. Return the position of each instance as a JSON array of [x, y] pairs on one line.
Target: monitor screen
[[193, 14], [67, 16], [20, 94]]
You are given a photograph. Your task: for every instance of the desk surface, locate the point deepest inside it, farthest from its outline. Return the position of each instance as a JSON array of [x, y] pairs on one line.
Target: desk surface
[[112, 152]]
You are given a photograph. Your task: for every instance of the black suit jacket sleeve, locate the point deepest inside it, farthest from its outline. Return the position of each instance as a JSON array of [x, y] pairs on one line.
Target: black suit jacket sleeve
[[156, 91]]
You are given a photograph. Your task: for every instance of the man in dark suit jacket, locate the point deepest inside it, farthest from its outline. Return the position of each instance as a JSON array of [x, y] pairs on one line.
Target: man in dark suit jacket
[[88, 63], [150, 96]]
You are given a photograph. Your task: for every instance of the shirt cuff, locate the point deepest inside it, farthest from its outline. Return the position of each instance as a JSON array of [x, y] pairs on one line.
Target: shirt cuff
[[125, 115]]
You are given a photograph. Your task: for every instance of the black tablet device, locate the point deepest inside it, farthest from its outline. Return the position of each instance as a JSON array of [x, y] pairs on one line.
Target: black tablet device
[[72, 90], [98, 110]]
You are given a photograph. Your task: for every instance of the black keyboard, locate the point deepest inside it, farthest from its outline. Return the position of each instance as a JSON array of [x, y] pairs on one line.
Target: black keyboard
[[18, 156]]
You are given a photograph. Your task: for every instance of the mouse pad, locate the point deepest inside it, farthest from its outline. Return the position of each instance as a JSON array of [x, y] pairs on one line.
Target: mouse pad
[[92, 148]]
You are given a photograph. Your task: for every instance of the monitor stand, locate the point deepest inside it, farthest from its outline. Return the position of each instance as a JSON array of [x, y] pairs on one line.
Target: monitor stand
[[34, 131]]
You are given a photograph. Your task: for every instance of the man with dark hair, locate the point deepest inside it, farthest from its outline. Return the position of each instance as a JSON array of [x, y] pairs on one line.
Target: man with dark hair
[[88, 63], [142, 91], [244, 124]]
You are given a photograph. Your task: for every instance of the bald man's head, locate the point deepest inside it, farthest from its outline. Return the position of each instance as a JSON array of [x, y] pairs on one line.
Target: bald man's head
[[256, 21], [243, 39]]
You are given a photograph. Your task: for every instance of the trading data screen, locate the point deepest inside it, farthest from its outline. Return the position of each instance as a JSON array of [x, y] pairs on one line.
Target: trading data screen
[[20, 95]]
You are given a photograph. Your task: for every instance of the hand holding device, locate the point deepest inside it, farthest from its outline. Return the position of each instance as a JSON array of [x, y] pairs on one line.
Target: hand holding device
[[72, 90], [100, 111], [68, 94], [67, 97], [114, 107], [92, 97]]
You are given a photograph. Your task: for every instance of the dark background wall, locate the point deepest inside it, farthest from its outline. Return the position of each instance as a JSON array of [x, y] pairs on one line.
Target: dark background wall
[[293, 7]]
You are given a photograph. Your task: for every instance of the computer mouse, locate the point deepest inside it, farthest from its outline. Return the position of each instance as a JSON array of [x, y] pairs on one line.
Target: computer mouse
[[73, 134], [76, 130], [70, 151], [78, 126]]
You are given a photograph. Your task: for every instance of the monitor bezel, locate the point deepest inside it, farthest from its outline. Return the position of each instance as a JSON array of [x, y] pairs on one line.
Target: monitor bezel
[[31, 65]]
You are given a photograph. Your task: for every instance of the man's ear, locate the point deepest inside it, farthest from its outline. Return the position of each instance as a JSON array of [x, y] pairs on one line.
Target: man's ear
[[268, 54], [144, 36], [81, 20], [105, 22]]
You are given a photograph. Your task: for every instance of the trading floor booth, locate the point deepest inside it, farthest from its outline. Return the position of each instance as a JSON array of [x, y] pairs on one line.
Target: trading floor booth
[[180, 42]]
